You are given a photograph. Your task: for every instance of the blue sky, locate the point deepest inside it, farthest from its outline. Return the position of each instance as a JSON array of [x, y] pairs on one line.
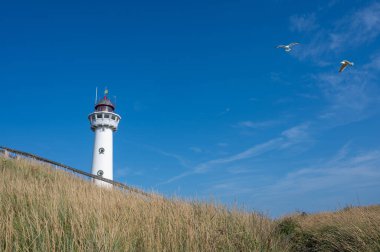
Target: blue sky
[[210, 108]]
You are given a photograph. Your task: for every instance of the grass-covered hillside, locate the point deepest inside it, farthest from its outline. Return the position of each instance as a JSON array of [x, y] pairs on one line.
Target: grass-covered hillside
[[43, 209]]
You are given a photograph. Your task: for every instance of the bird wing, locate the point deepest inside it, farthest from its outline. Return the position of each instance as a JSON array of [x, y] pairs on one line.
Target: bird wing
[[281, 46], [294, 43], [342, 67]]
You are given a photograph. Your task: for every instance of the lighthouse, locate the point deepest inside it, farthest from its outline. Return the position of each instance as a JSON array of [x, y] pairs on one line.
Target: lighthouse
[[104, 122]]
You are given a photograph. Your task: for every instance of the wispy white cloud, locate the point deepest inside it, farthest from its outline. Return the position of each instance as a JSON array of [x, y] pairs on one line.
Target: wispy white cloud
[[243, 169], [249, 153], [287, 139], [226, 111], [127, 172], [284, 100], [343, 170], [239, 170], [359, 28], [223, 145], [349, 92], [296, 134], [180, 159], [279, 78], [303, 23], [374, 64], [308, 96], [258, 125], [354, 94], [350, 31], [351, 96], [196, 149], [332, 3]]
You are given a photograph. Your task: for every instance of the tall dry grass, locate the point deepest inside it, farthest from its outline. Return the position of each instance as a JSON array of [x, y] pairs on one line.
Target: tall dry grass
[[43, 209], [352, 229]]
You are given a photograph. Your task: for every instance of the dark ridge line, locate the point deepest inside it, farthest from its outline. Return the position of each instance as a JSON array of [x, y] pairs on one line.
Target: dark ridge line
[[115, 183]]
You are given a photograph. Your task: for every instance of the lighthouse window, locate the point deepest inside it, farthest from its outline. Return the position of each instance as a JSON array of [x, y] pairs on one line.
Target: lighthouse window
[[106, 116], [98, 116], [93, 117], [113, 117], [101, 150]]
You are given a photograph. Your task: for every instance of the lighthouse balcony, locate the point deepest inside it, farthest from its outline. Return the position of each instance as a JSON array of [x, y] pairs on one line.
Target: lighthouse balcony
[[104, 119]]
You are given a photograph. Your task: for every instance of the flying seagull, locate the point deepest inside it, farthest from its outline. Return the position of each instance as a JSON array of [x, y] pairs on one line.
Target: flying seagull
[[288, 48], [344, 64]]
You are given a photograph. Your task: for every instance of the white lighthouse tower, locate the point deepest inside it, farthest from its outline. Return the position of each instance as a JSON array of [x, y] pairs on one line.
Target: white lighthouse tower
[[103, 122]]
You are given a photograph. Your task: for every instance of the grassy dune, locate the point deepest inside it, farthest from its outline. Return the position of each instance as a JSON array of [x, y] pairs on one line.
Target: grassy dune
[[48, 210], [351, 229], [43, 209]]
